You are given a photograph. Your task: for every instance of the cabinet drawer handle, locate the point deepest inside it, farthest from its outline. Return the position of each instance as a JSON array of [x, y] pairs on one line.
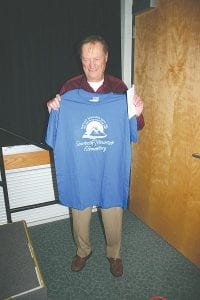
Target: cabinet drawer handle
[[196, 155]]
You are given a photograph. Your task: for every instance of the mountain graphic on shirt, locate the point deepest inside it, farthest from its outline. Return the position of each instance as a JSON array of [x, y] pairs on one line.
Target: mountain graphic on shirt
[[94, 130]]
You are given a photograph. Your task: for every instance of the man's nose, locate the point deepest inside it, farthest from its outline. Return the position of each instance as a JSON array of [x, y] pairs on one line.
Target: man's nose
[[92, 63]]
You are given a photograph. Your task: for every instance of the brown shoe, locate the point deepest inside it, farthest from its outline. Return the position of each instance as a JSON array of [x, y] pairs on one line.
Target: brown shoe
[[78, 263], [116, 266]]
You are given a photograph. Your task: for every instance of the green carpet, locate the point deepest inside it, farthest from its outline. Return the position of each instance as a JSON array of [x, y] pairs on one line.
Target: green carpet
[[151, 266]]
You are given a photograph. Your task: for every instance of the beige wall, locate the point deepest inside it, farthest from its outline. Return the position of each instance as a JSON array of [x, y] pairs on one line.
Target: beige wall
[[165, 184]]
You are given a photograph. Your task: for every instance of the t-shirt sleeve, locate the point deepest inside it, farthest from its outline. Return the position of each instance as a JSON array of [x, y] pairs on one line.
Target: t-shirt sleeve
[[133, 129], [51, 133]]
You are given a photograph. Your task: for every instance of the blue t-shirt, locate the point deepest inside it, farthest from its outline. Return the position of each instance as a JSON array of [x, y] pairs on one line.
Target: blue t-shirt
[[91, 137]]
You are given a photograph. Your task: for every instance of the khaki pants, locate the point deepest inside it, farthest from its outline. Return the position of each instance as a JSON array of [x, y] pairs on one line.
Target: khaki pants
[[112, 221]]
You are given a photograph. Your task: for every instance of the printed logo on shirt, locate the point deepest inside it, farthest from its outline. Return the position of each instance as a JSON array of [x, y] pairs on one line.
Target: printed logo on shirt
[[95, 130]]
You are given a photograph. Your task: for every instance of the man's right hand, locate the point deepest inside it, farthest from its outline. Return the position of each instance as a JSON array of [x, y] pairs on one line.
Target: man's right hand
[[54, 103]]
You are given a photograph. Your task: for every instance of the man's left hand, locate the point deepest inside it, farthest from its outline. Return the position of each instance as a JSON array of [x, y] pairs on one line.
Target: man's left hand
[[137, 101]]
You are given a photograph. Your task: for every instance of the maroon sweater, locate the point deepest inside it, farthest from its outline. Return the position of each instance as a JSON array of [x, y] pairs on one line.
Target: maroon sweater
[[110, 84]]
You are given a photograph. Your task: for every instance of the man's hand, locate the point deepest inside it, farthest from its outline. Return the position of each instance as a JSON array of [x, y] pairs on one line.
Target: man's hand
[[138, 105], [54, 103]]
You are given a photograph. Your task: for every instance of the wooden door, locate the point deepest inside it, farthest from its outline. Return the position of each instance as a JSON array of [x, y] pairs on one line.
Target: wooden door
[[165, 183]]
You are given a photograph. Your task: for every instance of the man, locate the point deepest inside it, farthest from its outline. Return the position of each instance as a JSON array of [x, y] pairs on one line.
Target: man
[[94, 56]]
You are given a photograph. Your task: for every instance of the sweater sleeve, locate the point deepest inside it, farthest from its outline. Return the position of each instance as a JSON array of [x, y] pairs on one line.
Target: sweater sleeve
[[140, 122]]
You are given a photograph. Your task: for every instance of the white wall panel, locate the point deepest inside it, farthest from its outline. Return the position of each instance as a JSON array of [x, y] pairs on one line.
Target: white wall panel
[[29, 186], [42, 215]]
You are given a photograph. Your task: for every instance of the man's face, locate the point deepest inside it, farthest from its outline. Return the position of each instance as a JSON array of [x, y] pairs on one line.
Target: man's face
[[94, 61]]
